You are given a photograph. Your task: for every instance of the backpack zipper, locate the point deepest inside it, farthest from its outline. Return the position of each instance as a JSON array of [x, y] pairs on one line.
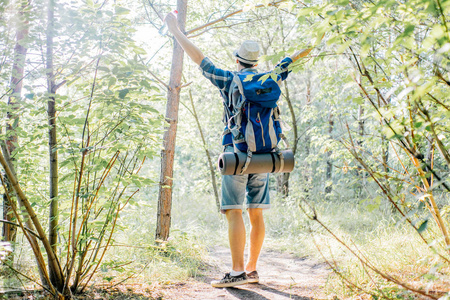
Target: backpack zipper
[[262, 130]]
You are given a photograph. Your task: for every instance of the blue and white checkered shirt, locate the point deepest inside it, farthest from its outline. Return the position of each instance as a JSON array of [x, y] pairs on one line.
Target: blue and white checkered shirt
[[223, 79]]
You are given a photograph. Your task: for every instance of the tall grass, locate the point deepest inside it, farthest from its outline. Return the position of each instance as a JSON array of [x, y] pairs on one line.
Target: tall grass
[[377, 235]]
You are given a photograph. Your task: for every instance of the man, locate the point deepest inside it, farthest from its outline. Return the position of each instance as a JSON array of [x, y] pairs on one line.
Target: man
[[253, 187]]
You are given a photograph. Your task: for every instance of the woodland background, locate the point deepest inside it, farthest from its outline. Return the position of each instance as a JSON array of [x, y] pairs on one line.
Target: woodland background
[[93, 94]]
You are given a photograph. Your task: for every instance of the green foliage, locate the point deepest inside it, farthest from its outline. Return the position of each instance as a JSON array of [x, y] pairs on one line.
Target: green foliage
[[375, 88], [108, 126]]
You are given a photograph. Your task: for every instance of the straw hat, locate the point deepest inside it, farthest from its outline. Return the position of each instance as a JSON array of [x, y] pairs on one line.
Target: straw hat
[[248, 53]]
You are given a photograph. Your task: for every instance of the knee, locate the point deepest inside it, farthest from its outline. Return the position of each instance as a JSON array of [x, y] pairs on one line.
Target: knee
[[233, 213], [256, 215], [255, 212]]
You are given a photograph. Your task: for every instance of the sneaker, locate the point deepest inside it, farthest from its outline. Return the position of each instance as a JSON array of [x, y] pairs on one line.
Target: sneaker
[[253, 277], [229, 281]]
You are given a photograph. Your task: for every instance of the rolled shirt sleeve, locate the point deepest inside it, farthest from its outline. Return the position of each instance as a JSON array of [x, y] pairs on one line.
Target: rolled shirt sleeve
[[218, 77]]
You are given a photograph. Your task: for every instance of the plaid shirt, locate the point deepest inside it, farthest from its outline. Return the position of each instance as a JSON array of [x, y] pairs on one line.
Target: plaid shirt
[[223, 79]]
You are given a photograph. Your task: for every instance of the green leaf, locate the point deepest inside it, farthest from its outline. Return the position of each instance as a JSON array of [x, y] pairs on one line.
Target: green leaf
[[121, 10], [417, 124], [408, 30], [112, 81], [358, 100], [249, 78], [123, 93], [264, 78], [139, 50], [423, 226], [16, 122], [145, 84], [104, 69]]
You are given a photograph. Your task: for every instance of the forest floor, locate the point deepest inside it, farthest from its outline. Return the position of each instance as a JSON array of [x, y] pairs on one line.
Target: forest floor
[[282, 276]]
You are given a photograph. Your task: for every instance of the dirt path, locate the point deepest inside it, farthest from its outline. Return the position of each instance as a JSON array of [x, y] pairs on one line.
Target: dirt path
[[282, 276]]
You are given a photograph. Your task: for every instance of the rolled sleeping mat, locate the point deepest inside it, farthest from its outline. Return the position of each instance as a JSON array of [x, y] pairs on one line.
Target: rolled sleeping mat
[[230, 163]]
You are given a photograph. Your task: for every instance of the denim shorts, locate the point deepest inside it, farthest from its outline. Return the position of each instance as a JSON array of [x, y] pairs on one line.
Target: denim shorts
[[253, 188]]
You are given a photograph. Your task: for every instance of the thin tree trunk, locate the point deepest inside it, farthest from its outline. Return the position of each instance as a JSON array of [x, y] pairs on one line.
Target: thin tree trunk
[[307, 175], [429, 158], [8, 231], [361, 129], [385, 153], [329, 171], [30, 237], [384, 146], [283, 179], [434, 209], [360, 125], [20, 53], [168, 152], [208, 155], [53, 154], [53, 260]]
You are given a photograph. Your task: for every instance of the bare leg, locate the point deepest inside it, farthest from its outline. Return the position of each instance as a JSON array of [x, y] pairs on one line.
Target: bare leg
[[257, 234], [236, 236]]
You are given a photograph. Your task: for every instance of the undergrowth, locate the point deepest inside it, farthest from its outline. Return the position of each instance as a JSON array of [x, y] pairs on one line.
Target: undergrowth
[[378, 235]]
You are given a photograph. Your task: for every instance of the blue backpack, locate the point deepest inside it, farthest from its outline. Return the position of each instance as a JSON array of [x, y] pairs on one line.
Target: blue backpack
[[252, 115]]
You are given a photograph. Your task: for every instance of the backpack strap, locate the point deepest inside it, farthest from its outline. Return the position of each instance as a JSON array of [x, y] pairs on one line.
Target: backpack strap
[[226, 131], [276, 114], [235, 101], [281, 156], [247, 161], [234, 93]]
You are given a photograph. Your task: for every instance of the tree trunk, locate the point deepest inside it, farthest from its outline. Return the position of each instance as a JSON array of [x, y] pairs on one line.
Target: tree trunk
[[283, 179], [429, 160], [168, 152], [32, 217], [307, 173], [385, 154], [360, 173], [20, 53], [329, 171], [8, 231], [208, 155], [384, 148], [53, 154], [360, 125]]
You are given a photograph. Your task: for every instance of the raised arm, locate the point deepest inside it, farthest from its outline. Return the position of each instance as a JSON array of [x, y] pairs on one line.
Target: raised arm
[[299, 54], [194, 53], [302, 53]]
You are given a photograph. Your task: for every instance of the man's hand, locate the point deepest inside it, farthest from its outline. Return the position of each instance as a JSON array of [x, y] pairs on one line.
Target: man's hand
[[171, 22], [194, 53]]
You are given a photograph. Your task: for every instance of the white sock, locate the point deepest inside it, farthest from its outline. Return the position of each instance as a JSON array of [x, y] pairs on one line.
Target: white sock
[[236, 273]]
